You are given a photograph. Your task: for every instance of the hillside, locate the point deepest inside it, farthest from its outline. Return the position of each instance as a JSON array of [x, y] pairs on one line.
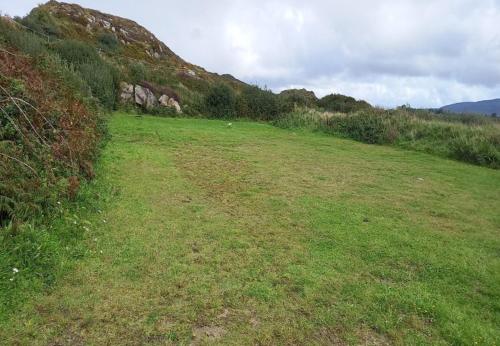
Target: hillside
[[137, 54], [149, 70], [487, 107]]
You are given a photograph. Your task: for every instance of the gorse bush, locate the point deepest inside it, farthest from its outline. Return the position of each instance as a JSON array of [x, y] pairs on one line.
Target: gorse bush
[[103, 80], [476, 148], [137, 72]]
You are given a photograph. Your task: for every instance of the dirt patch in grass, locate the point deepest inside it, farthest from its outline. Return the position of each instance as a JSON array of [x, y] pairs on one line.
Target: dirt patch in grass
[[207, 334]]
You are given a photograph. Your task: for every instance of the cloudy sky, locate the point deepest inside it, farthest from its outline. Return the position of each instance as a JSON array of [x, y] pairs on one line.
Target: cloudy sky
[[389, 52]]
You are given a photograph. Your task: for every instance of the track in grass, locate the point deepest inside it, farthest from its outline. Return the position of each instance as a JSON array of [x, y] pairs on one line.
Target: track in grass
[[249, 234]]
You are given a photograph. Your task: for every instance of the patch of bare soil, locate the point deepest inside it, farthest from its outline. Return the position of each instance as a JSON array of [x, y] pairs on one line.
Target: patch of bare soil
[[207, 333]]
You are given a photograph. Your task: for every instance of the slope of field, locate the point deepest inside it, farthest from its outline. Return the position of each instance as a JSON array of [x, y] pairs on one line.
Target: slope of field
[[249, 234]]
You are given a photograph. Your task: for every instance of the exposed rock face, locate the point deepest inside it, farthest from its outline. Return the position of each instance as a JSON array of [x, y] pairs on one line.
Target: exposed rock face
[[165, 101], [175, 104], [127, 92], [145, 97], [126, 30]]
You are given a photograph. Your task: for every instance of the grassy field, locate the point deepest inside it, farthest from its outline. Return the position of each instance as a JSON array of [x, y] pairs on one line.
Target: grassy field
[[248, 234]]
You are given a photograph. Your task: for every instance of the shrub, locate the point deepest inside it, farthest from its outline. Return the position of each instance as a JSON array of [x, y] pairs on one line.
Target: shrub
[[49, 130], [475, 149], [137, 72], [76, 52], [41, 21], [220, 102], [258, 104], [103, 80], [341, 103], [108, 41], [293, 98]]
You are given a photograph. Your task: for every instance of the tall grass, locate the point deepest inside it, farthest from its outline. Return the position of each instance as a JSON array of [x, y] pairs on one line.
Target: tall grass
[[474, 140]]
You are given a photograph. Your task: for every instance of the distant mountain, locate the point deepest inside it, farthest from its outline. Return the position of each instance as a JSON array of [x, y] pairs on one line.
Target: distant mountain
[[487, 107]]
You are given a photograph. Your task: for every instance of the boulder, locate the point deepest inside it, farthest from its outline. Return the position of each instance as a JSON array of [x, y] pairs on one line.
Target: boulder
[[175, 104], [145, 97], [164, 101], [127, 92]]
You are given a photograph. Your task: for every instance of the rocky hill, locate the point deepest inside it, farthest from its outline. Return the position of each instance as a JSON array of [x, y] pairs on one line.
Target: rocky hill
[[145, 72], [133, 50]]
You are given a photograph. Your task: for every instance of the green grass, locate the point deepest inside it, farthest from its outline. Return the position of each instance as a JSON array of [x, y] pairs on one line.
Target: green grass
[[471, 139], [248, 234]]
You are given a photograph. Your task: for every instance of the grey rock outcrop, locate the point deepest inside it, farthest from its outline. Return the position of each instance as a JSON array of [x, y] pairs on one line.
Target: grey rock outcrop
[[145, 97], [175, 104], [127, 92], [164, 101]]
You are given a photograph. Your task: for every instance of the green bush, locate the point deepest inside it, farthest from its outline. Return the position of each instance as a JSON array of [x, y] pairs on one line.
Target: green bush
[[220, 102], [293, 98], [41, 22], [258, 104], [76, 52], [365, 127], [137, 72], [341, 103], [475, 149], [103, 80], [108, 41]]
